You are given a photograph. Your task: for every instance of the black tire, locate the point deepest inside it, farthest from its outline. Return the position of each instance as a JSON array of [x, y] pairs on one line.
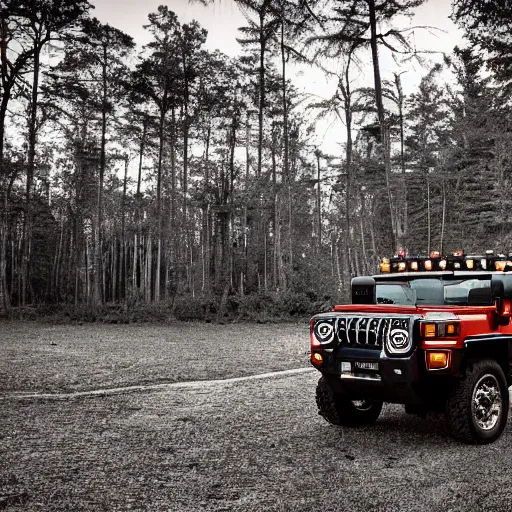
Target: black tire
[[474, 411], [340, 410]]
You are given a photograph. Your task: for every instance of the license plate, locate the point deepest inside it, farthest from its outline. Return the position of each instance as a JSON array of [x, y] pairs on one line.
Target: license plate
[[365, 365]]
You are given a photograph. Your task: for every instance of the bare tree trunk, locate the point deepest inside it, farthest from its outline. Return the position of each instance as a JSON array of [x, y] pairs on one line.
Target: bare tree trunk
[[6, 93], [380, 112], [56, 265], [274, 220], [98, 280], [428, 215], [159, 201], [32, 130], [186, 231], [363, 241], [4, 296], [149, 268], [123, 274], [261, 102], [319, 206], [246, 185], [233, 141], [285, 102], [402, 221], [174, 237], [338, 269], [138, 262], [290, 228], [443, 217], [205, 212]]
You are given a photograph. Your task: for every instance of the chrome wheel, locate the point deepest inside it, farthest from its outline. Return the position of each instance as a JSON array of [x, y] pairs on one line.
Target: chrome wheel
[[486, 402], [362, 405]]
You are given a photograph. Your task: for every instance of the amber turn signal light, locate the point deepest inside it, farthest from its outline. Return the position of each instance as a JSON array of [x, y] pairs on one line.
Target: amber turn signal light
[[440, 329], [438, 360], [317, 358], [429, 330]]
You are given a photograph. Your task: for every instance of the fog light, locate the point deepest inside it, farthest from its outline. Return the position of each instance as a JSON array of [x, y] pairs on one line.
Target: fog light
[[317, 358], [438, 360]]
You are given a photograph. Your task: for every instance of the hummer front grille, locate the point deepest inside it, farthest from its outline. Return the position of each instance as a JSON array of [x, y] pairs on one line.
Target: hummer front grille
[[372, 331]]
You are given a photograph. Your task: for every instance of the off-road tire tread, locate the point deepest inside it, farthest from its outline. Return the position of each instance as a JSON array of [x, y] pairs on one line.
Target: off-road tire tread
[[339, 411], [458, 406], [326, 402]]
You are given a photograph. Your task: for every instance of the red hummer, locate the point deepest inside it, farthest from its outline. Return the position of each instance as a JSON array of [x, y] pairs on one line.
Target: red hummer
[[433, 333]]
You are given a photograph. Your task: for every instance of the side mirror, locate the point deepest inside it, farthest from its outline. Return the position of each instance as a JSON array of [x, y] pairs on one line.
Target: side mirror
[[501, 286], [363, 290], [497, 287], [501, 289]]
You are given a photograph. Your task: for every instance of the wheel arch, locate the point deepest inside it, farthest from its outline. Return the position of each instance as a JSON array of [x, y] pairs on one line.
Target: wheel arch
[[498, 348]]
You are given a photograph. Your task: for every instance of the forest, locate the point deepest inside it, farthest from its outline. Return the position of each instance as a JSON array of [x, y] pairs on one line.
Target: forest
[[231, 207]]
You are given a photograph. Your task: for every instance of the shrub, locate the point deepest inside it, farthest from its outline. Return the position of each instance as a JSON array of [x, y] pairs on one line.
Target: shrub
[[195, 308], [256, 307]]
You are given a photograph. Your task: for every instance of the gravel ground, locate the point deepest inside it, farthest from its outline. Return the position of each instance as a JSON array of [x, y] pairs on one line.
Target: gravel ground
[[251, 446], [41, 358], [255, 445]]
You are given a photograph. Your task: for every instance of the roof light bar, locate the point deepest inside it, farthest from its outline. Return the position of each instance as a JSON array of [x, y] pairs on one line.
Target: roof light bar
[[457, 260]]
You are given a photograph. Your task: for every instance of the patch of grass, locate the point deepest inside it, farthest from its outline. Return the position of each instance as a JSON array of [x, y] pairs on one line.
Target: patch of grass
[[39, 357]]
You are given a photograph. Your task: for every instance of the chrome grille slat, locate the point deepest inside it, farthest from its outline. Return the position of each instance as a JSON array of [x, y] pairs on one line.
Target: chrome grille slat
[[347, 328], [357, 329], [377, 332]]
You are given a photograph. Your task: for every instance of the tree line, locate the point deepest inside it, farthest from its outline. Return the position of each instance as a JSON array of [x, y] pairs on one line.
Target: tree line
[[140, 175]]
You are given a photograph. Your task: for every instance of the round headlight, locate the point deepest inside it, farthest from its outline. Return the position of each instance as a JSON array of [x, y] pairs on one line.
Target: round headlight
[[324, 330], [398, 340]]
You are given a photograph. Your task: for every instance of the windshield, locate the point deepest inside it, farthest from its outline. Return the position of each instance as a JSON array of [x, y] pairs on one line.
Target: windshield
[[436, 292]]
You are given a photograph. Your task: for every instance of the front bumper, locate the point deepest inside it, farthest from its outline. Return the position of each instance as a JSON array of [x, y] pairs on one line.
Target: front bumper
[[403, 380]]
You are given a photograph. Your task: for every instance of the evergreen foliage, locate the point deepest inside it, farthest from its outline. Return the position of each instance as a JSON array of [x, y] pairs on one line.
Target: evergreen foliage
[[175, 178]]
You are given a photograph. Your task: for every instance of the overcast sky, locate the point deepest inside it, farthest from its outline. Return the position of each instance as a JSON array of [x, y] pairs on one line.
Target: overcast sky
[[223, 18]]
